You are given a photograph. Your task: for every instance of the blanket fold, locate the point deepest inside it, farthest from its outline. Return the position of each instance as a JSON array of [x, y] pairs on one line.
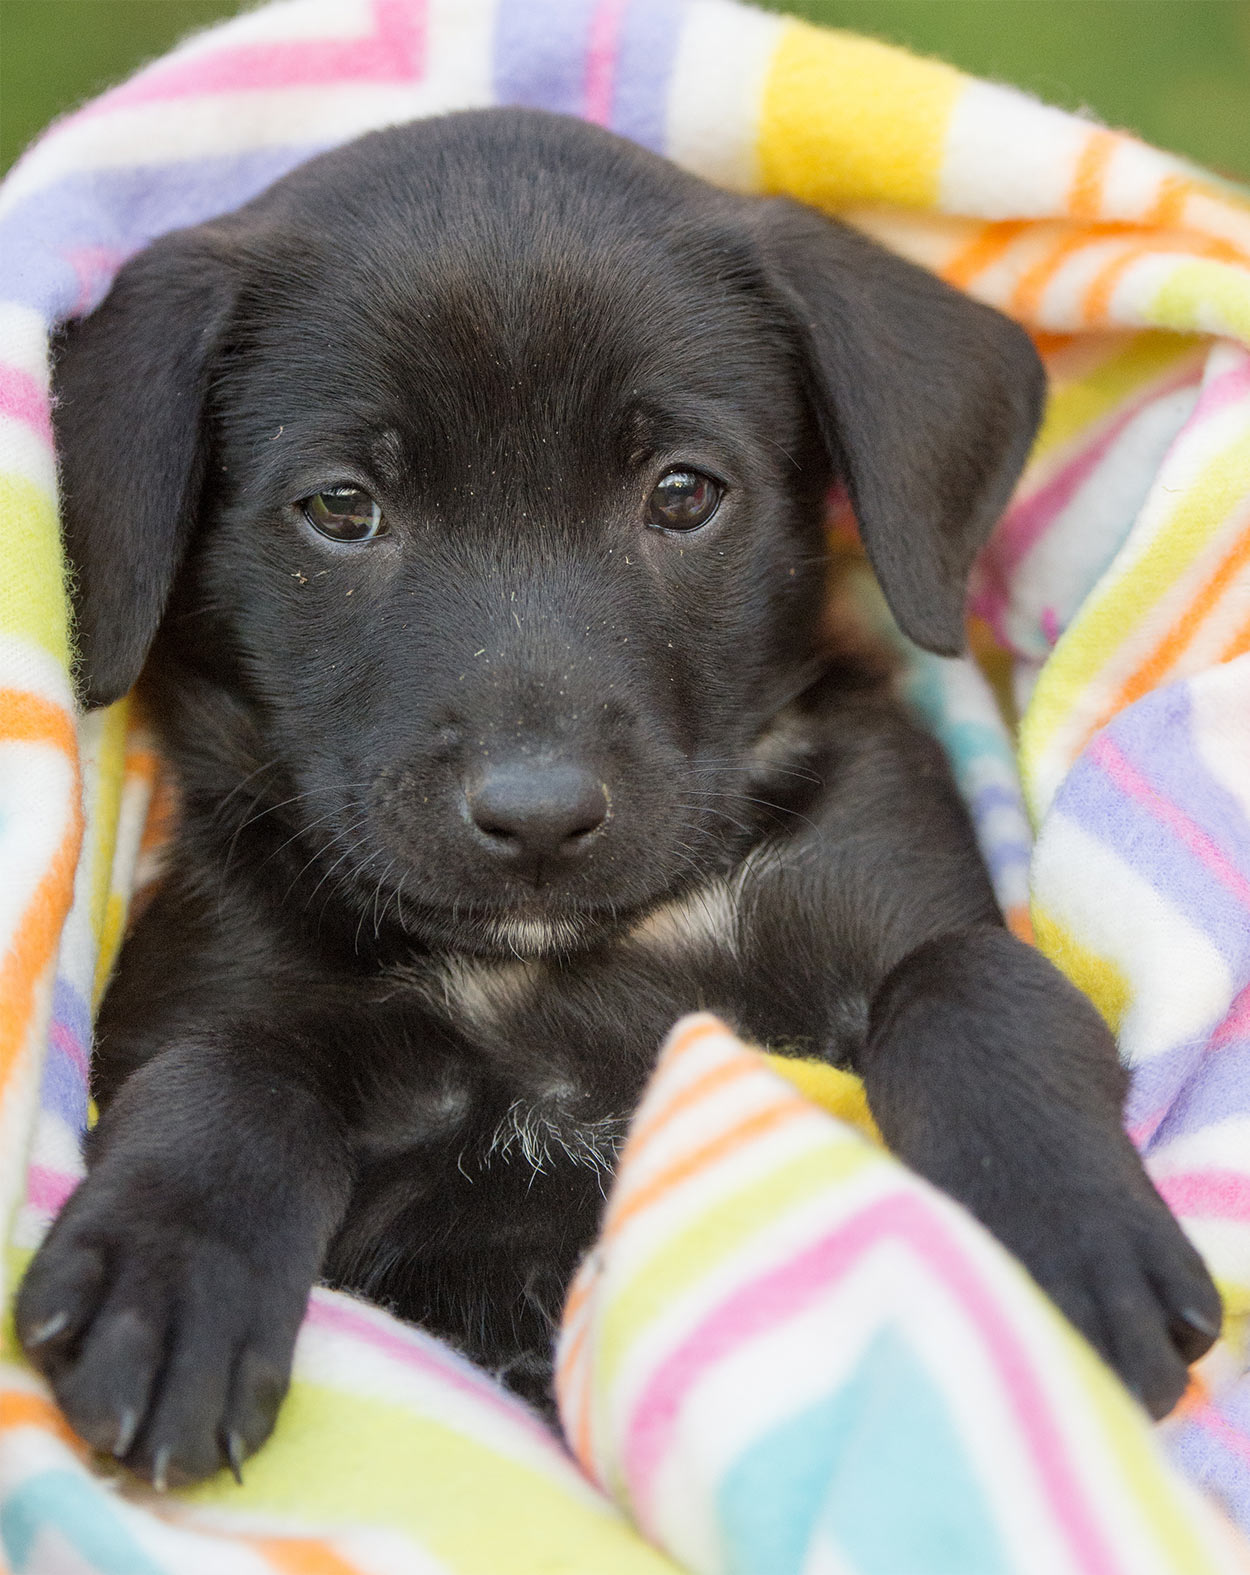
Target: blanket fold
[[786, 1353]]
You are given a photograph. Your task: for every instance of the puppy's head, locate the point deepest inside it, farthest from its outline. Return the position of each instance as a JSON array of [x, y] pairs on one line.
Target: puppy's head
[[473, 477]]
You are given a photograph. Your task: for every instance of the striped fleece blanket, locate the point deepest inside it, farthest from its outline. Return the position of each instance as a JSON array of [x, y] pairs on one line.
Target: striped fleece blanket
[[786, 1354]]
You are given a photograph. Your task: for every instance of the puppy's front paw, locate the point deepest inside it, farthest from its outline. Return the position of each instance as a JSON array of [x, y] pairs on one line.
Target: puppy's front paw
[[1122, 1270], [166, 1346]]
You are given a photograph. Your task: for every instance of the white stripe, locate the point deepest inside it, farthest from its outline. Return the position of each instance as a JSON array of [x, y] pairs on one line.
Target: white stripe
[[716, 90], [24, 338], [1180, 982], [1008, 156]]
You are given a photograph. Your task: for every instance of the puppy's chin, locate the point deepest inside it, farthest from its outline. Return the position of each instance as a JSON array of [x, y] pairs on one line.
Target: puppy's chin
[[529, 934]]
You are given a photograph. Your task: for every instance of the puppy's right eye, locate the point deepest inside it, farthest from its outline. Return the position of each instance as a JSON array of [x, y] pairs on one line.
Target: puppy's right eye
[[344, 514]]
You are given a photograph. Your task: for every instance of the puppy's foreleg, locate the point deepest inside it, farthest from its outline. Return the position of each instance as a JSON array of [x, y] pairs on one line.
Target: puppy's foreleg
[[992, 1076], [164, 1305], [986, 1070]]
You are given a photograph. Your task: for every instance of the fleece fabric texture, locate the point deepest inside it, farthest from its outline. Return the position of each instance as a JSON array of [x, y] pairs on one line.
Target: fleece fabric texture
[[786, 1354]]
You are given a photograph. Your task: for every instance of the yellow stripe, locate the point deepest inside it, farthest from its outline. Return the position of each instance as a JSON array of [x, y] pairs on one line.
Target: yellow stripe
[[32, 596], [1106, 621], [839, 1094], [1152, 1490], [110, 758], [351, 1461], [1209, 297], [845, 119], [1075, 406], [1097, 976], [715, 1234]]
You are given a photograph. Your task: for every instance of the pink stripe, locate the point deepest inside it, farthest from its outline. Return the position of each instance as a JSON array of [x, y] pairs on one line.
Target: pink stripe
[[22, 399], [1125, 775], [601, 53], [1226, 389], [48, 1189], [65, 1040], [394, 52], [421, 1353], [1145, 1129], [1211, 1421], [1236, 1025], [1207, 1194], [765, 1302], [1024, 525]]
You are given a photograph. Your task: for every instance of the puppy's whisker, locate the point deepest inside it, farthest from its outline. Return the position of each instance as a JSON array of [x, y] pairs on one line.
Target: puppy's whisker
[[345, 832]]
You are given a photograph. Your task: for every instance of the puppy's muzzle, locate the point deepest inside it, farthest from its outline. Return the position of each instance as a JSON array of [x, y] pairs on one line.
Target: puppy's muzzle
[[537, 815]]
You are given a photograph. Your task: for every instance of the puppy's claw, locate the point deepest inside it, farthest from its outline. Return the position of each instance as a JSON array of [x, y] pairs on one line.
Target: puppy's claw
[[126, 1434], [1199, 1322], [47, 1330], [234, 1456], [1193, 1333], [160, 1468]]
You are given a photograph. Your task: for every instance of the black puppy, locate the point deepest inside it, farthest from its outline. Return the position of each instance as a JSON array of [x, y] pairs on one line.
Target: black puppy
[[470, 484]]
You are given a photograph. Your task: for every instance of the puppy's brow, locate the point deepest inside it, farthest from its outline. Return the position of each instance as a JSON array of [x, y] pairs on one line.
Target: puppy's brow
[[387, 453]]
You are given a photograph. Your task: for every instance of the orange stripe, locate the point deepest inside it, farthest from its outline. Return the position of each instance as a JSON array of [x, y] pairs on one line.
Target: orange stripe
[[577, 1298], [21, 1409], [142, 763], [1238, 645], [716, 1077], [301, 1556], [581, 1423], [681, 1170], [29, 719], [1028, 292], [1183, 630], [986, 247], [1086, 192], [1179, 635], [1168, 210], [1098, 293], [34, 945], [1020, 923], [1049, 344]]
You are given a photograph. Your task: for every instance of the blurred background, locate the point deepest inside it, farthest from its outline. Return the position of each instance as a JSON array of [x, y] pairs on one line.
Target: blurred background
[[1175, 71]]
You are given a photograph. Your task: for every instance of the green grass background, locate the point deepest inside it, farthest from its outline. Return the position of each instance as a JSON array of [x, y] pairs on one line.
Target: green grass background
[[1176, 71]]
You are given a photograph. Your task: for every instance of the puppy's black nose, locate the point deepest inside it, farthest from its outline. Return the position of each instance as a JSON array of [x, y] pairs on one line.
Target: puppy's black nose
[[528, 811]]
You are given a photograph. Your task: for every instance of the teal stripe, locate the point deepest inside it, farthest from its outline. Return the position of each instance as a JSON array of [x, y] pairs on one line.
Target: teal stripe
[[876, 1470], [73, 1509]]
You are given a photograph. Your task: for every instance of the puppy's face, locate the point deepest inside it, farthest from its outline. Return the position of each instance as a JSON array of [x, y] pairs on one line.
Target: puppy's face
[[484, 466]]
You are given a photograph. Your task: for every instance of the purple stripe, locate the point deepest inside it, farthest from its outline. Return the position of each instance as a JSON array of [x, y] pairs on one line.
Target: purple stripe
[[120, 210], [1153, 849], [998, 795], [1156, 734], [1219, 1089], [1212, 1452], [1005, 855], [64, 1089], [644, 69], [1156, 1084], [540, 54]]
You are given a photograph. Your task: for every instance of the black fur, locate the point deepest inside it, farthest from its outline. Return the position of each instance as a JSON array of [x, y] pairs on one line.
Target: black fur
[[365, 1032]]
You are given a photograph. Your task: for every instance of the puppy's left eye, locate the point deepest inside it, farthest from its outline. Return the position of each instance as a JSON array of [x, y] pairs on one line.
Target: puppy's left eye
[[344, 514], [683, 500]]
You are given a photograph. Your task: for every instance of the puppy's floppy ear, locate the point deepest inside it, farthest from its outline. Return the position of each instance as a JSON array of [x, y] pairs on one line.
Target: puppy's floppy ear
[[927, 401], [130, 382]]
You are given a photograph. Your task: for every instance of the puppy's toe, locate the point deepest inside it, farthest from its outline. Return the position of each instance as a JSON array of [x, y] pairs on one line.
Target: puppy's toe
[[58, 1300], [164, 1346], [1133, 1284], [105, 1391]]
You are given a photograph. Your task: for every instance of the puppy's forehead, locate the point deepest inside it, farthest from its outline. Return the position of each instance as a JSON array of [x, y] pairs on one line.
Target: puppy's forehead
[[553, 267]]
